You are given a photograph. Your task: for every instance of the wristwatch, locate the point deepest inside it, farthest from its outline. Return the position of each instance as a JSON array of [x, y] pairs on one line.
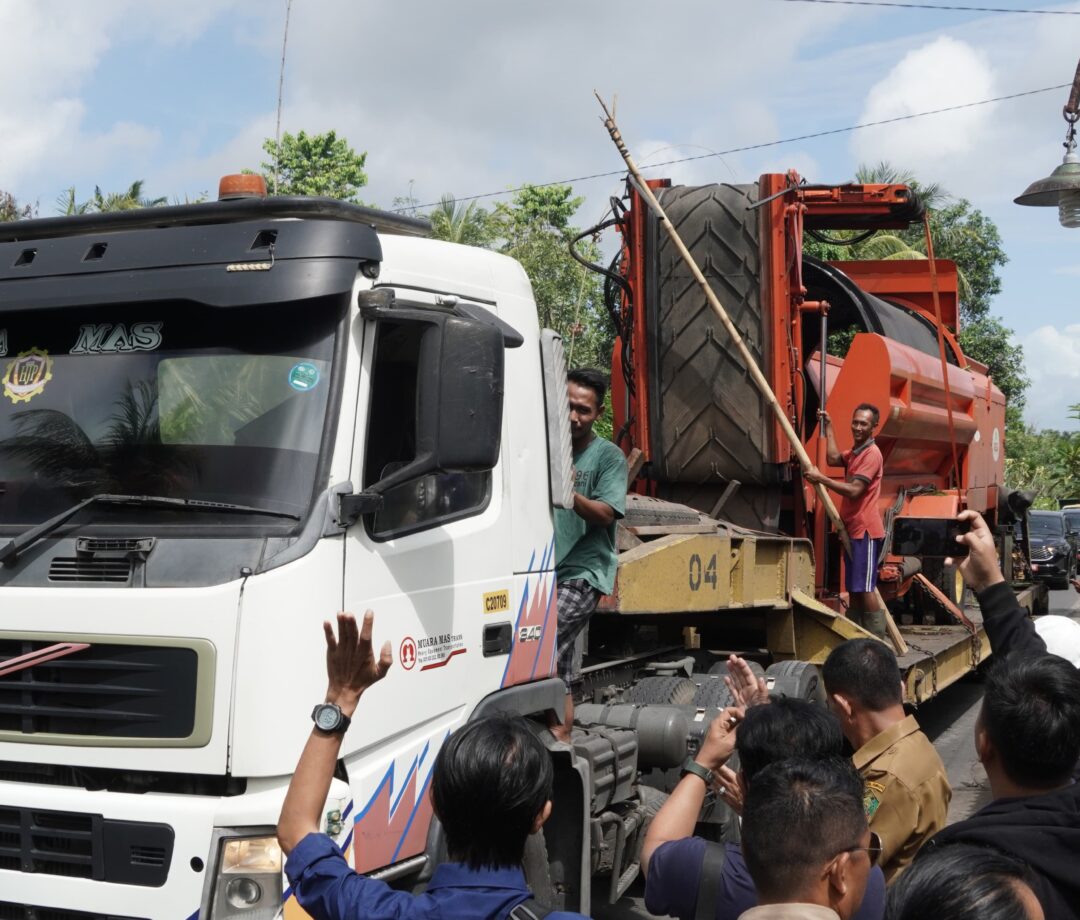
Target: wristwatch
[[692, 766], [329, 718]]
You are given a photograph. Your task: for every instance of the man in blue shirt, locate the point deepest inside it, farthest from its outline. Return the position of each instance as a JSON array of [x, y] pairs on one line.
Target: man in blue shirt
[[491, 787], [672, 859]]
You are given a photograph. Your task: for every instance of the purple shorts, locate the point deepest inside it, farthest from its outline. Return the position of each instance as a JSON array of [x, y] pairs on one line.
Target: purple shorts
[[861, 575]]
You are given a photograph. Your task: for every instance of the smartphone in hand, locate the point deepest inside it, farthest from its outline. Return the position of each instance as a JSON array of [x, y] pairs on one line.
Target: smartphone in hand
[[928, 538]]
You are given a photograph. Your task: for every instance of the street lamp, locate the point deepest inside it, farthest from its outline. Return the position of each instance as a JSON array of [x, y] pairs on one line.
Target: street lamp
[[1062, 186]]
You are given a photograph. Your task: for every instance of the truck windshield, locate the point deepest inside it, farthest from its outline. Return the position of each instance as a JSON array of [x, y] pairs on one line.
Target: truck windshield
[[174, 400]]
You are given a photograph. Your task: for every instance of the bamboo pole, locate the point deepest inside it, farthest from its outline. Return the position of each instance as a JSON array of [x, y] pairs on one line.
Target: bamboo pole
[[748, 359]]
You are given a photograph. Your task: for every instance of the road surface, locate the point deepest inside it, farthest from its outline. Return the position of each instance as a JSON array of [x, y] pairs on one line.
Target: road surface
[[949, 721]]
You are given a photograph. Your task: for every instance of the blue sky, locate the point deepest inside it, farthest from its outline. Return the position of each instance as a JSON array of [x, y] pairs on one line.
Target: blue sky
[[480, 95]]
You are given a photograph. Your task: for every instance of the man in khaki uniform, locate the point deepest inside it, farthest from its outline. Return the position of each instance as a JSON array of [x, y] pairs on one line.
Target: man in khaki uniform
[[907, 791]]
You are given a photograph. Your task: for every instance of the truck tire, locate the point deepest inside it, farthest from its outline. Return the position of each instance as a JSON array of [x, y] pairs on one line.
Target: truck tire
[[712, 692], [538, 872], [677, 691], [711, 422], [799, 680]]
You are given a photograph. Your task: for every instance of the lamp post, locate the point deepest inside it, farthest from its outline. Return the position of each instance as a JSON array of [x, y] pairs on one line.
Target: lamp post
[[1062, 186]]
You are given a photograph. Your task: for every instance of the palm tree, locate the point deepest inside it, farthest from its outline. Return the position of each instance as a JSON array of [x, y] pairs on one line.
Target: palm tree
[[906, 245], [457, 222], [127, 200]]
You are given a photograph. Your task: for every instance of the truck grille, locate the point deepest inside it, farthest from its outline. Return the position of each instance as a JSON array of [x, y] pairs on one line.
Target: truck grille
[[107, 690], [84, 846], [9, 910]]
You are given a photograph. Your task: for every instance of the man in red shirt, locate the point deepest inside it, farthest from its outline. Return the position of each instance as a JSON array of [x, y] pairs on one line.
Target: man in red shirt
[[859, 511]]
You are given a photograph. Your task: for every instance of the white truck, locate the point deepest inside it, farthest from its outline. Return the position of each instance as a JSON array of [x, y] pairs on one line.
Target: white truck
[[220, 424]]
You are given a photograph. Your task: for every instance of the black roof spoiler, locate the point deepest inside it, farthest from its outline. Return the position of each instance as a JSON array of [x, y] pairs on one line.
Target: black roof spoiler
[[213, 212]]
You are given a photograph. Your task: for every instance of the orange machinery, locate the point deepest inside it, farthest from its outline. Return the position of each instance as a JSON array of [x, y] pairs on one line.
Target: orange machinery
[[681, 396]]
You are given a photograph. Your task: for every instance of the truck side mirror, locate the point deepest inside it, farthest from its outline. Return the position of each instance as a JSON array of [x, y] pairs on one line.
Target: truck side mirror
[[459, 396]]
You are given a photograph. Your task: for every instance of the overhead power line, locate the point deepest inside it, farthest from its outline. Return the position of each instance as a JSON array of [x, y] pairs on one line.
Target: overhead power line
[[747, 147], [937, 6]]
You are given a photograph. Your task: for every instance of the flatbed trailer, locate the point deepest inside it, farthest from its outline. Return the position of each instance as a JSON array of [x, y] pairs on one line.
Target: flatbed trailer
[[709, 587]]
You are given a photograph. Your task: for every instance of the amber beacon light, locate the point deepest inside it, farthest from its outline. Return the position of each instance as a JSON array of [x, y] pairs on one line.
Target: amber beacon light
[[241, 185]]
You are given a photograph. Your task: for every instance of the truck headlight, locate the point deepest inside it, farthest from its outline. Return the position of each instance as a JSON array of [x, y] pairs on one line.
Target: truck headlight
[[247, 885]]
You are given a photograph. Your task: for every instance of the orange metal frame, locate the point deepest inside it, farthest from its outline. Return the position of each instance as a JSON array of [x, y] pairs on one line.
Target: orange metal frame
[[907, 385]]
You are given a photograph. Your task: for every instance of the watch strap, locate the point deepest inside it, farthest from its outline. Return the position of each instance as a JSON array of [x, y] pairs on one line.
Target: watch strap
[[692, 766]]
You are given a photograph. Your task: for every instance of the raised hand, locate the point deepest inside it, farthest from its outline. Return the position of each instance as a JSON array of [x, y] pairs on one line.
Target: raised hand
[[730, 790], [747, 689], [720, 739], [981, 568], [350, 665]]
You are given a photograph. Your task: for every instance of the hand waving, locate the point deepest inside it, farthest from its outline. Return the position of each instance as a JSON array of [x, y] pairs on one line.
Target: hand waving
[[350, 665], [747, 689]]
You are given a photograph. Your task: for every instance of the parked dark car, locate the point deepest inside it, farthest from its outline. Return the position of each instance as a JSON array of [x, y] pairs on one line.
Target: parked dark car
[[1055, 546], [1072, 522]]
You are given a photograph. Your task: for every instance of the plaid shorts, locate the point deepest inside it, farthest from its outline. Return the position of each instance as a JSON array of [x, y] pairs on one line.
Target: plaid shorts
[[576, 600]]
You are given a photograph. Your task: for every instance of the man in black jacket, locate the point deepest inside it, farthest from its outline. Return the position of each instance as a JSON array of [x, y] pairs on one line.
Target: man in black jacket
[[1028, 738]]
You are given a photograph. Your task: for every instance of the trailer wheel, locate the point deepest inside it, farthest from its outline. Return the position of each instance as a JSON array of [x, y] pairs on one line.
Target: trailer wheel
[[799, 680], [676, 691]]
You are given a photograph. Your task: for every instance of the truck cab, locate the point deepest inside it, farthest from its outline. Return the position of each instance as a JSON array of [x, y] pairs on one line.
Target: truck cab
[[220, 424]]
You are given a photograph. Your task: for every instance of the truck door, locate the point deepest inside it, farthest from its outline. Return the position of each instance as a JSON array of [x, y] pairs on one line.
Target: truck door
[[426, 564]]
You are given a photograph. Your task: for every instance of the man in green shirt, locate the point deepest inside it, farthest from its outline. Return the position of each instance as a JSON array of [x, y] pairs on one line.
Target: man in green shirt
[[585, 557]]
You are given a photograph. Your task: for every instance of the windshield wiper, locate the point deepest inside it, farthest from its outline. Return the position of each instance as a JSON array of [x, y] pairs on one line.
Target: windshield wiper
[[10, 551]]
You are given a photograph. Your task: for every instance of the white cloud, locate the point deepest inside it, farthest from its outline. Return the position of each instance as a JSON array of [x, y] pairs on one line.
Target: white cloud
[[1053, 364], [943, 73], [51, 50]]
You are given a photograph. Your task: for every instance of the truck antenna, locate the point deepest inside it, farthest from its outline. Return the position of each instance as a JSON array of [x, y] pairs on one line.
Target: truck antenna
[[280, 93]]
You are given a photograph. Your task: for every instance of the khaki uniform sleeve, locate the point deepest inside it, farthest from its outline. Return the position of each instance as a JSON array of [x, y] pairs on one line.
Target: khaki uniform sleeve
[[893, 813]]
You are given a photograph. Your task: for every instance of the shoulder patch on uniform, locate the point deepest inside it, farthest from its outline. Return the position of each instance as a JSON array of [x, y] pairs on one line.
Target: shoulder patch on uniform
[[872, 798]]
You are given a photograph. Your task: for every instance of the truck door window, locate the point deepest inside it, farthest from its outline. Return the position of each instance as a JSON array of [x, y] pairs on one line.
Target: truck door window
[[428, 500]]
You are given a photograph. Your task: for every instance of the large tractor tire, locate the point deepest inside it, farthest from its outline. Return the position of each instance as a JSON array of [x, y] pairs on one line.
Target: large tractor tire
[[711, 421]]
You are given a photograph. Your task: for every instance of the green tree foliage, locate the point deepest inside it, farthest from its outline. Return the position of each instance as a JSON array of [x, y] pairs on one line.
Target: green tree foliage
[[463, 222], [535, 228], [314, 164], [129, 199], [1046, 462]]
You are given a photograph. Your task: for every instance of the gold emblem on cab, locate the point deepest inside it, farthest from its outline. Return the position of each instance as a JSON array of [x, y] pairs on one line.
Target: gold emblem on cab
[[27, 375]]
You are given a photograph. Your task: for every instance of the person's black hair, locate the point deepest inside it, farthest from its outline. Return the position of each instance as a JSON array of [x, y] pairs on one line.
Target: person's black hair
[[786, 728], [798, 815], [1031, 711], [864, 670], [593, 378], [871, 408], [962, 882], [491, 779]]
